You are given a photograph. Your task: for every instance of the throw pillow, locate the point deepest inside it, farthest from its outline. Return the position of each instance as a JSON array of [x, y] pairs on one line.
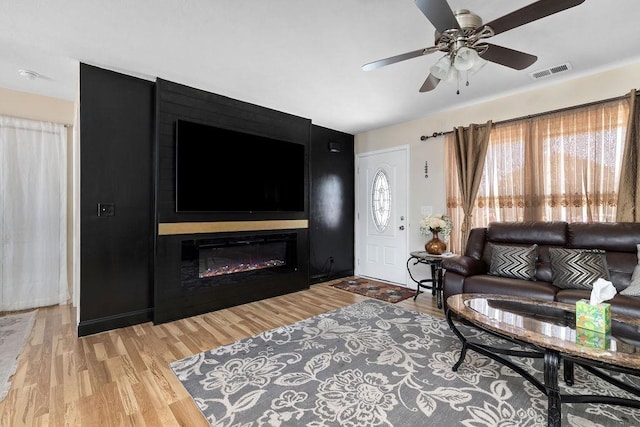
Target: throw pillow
[[634, 287], [514, 261], [577, 268]]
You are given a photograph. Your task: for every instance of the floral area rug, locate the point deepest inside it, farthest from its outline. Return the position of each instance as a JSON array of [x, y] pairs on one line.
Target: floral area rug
[[374, 289], [374, 364], [14, 330]]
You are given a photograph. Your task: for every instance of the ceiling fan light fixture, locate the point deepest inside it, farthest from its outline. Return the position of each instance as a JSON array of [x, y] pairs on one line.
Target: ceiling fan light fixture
[[453, 76], [465, 58], [480, 63], [441, 69]]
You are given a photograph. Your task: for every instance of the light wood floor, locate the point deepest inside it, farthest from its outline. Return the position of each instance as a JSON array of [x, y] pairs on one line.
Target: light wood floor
[[122, 377]]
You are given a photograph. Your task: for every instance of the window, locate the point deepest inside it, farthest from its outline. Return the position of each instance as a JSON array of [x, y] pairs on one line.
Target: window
[[561, 166], [380, 200]]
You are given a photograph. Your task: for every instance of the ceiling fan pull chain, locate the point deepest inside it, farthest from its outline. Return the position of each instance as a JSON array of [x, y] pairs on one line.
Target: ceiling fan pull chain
[[467, 79]]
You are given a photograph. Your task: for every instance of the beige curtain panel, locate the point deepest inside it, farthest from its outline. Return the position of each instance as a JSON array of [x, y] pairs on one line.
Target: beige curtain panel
[[470, 148], [628, 193]]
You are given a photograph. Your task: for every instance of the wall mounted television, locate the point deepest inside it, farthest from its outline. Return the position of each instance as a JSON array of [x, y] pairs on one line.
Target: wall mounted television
[[222, 170]]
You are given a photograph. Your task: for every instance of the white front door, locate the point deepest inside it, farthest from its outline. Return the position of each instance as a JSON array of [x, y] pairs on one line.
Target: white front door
[[381, 215]]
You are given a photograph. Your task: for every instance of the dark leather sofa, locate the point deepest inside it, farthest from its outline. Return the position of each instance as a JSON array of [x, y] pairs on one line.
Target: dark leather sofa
[[469, 273]]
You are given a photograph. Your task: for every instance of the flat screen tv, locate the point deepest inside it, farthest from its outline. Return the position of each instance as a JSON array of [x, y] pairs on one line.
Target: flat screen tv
[[221, 170]]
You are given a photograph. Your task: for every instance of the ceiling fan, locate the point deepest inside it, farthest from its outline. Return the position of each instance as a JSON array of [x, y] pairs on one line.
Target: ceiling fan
[[461, 35]]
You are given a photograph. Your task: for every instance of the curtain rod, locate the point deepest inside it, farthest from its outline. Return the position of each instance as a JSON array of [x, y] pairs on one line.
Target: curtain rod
[[531, 116], [66, 125]]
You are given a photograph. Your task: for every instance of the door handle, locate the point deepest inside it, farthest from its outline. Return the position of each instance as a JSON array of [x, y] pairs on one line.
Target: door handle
[[401, 227]]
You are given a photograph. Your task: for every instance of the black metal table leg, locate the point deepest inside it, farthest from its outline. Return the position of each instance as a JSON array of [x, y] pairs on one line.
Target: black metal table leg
[[417, 292], [463, 341], [411, 276], [434, 283], [568, 372], [438, 286], [433, 277], [551, 364]]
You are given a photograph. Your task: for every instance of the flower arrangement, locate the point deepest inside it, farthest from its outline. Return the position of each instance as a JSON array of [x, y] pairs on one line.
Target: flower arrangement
[[440, 224]]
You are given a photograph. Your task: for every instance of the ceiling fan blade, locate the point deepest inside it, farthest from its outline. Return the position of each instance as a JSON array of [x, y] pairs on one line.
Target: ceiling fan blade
[[439, 14], [508, 57], [531, 13], [398, 58], [430, 84]]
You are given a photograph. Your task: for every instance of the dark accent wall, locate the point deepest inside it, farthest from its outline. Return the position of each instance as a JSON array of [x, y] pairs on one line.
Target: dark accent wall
[[129, 273], [331, 212], [178, 102], [116, 186]]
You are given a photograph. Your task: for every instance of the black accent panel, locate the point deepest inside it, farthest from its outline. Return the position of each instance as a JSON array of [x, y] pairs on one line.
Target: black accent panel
[[102, 324], [129, 274], [178, 102], [332, 205], [116, 179]]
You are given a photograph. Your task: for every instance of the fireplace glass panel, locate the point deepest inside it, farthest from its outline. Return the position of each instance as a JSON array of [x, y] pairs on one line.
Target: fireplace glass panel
[[217, 261], [230, 260]]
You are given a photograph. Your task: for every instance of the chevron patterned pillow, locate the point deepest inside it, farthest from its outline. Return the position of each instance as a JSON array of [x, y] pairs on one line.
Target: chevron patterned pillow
[[514, 261], [577, 268]]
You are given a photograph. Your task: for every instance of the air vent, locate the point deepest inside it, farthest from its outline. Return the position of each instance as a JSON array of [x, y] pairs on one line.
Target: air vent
[[550, 71]]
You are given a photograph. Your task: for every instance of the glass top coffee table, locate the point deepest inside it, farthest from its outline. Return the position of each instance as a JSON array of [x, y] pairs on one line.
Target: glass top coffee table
[[547, 331]]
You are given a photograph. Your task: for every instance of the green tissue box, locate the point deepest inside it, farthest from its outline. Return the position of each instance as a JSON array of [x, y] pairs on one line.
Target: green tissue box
[[592, 339], [595, 318]]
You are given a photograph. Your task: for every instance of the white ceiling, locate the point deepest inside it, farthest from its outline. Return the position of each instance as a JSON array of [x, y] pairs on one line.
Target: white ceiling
[[299, 56]]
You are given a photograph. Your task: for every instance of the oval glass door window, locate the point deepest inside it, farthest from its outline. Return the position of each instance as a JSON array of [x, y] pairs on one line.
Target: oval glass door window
[[381, 200]]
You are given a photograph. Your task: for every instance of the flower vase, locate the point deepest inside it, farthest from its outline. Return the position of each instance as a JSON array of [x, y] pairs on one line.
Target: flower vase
[[435, 246]]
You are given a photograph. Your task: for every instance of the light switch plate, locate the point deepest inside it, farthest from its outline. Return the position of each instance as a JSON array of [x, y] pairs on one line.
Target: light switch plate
[[106, 209]]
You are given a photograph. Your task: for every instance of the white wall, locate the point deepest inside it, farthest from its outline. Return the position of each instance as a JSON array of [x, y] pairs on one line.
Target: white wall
[[431, 191]]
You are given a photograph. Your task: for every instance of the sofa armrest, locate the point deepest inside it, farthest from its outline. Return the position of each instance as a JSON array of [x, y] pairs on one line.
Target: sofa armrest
[[465, 265]]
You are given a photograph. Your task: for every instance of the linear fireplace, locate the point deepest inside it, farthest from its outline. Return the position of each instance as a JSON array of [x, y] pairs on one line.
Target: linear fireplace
[[206, 271], [216, 260], [210, 262]]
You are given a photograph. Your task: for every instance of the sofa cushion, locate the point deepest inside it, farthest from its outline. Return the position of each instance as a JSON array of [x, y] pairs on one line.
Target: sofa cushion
[[513, 261], [485, 284], [476, 243], [609, 236], [634, 287], [620, 266], [464, 265], [577, 268], [624, 305], [543, 266], [523, 233]]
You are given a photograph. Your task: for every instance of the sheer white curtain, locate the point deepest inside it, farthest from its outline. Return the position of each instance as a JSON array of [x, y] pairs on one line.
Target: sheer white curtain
[[33, 219]]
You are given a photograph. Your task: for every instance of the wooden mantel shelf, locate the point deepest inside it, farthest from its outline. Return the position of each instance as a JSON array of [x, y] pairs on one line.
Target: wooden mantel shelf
[[176, 228]]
